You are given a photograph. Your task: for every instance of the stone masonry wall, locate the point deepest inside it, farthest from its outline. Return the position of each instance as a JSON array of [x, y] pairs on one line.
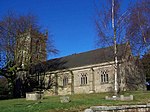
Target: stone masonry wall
[[94, 81]]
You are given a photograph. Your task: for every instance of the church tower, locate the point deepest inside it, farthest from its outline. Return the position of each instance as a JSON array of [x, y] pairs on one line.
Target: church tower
[[30, 48]]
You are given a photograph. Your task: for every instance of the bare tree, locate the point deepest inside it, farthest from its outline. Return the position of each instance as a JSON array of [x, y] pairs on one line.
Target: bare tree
[[13, 26], [108, 26], [138, 27], [132, 24], [17, 50], [116, 27], [10, 25]]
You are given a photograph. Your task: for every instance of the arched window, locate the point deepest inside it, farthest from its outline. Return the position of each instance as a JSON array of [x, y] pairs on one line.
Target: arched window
[[104, 76], [83, 78], [102, 80], [65, 81]]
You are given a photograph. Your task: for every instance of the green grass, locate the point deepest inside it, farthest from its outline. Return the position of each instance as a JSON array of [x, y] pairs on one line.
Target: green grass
[[78, 103]]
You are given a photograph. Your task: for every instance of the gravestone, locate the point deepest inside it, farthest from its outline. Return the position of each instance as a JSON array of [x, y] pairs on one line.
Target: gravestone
[[88, 110], [64, 99], [34, 96]]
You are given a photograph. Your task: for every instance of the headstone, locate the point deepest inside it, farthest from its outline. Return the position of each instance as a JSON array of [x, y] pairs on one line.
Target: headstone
[[65, 99], [34, 96], [131, 97], [106, 97], [122, 97], [88, 110], [114, 97]]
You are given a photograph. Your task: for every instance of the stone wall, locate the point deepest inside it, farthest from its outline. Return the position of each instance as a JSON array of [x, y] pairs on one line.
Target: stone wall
[[93, 80], [104, 87], [124, 108], [78, 88], [93, 74], [61, 89]]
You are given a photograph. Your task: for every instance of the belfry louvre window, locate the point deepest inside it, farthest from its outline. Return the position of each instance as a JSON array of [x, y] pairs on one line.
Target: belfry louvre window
[[104, 76], [83, 78], [65, 81]]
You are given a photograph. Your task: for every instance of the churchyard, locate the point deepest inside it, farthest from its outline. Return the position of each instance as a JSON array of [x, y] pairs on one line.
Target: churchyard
[[78, 102]]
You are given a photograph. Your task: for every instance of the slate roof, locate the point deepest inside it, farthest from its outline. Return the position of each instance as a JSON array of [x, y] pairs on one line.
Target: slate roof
[[97, 56]]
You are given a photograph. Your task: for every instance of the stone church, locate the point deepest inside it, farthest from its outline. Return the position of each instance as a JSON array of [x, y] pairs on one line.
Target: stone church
[[91, 72], [87, 72]]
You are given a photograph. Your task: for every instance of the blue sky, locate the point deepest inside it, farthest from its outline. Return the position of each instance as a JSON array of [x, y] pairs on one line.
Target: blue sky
[[71, 22]]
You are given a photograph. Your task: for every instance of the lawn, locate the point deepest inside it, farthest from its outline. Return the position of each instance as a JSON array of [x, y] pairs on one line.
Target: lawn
[[78, 103]]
